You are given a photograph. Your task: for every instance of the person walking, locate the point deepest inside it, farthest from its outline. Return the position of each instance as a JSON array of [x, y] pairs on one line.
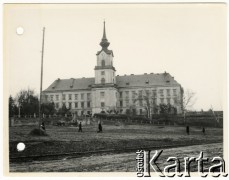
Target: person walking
[[100, 127], [80, 127], [203, 130], [187, 130]]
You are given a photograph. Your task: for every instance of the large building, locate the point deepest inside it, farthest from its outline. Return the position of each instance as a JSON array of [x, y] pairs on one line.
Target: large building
[[109, 93]]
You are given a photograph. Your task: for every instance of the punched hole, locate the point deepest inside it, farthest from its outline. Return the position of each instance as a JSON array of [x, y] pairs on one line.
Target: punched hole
[[20, 30], [20, 146]]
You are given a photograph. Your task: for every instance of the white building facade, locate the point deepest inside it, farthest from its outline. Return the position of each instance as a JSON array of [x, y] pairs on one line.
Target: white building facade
[[108, 93]]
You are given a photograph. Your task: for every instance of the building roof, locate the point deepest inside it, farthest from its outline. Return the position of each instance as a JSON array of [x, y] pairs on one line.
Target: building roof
[[126, 81], [71, 84], [107, 51], [144, 80]]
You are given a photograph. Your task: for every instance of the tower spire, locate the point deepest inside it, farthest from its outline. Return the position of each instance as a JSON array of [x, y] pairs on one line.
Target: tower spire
[[104, 42], [104, 30]]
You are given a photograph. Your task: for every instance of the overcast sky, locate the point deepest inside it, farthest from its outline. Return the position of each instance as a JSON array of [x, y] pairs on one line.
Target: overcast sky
[[186, 40]]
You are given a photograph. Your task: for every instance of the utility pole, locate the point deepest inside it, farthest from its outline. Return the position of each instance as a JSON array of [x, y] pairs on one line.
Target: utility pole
[[42, 57]]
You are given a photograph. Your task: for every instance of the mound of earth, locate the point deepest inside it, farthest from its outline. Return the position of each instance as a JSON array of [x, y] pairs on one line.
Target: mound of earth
[[38, 132]]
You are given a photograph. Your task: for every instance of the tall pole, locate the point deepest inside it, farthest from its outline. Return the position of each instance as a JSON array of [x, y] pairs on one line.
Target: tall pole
[[42, 57]]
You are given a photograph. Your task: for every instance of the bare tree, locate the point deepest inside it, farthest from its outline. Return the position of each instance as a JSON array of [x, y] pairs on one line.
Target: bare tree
[[147, 101], [214, 115], [188, 100]]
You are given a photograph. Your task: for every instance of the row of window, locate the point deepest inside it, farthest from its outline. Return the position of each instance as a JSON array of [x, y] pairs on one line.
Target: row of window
[[102, 94], [154, 101], [81, 113], [70, 96], [76, 105], [148, 92]]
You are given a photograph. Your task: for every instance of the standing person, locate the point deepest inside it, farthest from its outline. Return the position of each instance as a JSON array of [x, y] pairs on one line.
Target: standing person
[[187, 130], [100, 127], [203, 130], [43, 126], [80, 127]]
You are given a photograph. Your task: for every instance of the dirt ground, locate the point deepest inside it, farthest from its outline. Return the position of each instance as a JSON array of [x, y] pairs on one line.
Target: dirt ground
[[123, 162]]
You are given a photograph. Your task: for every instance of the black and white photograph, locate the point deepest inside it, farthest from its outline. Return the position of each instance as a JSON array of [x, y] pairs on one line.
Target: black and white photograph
[[133, 89]]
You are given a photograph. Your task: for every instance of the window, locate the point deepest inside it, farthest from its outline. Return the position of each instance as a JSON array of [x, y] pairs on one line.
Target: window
[[161, 92], [162, 100], [140, 111], [103, 63], [88, 104], [64, 105], [174, 92], [168, 92], [140, 102], [168, 100], [57, 97], [57, 105], [82, 96], [82, 113], [82, 104], [76, 96], [147, 92], [127, 103], [103, 81], [46, 97], [121, 104], [127, 94], [154, 101], [102, 72], [70, 97], [133, 94], [154, 93], [88, 96], [76, 113], [70, 105], [63, 97], [102, 95], [134, 111], [51, 97], [140, 93], [120, 94], [88, 112], [102, 104], [76, 104], [175, 100]]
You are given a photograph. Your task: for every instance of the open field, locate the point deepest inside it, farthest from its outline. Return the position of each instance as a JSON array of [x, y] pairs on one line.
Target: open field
[[122, 138], [66, 149]]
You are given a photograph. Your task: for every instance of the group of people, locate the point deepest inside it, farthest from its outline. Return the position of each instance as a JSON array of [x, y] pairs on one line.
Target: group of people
[[187, 130], [100, 128]]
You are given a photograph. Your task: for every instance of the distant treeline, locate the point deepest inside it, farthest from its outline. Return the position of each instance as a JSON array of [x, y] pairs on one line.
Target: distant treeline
[[205, 119]]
